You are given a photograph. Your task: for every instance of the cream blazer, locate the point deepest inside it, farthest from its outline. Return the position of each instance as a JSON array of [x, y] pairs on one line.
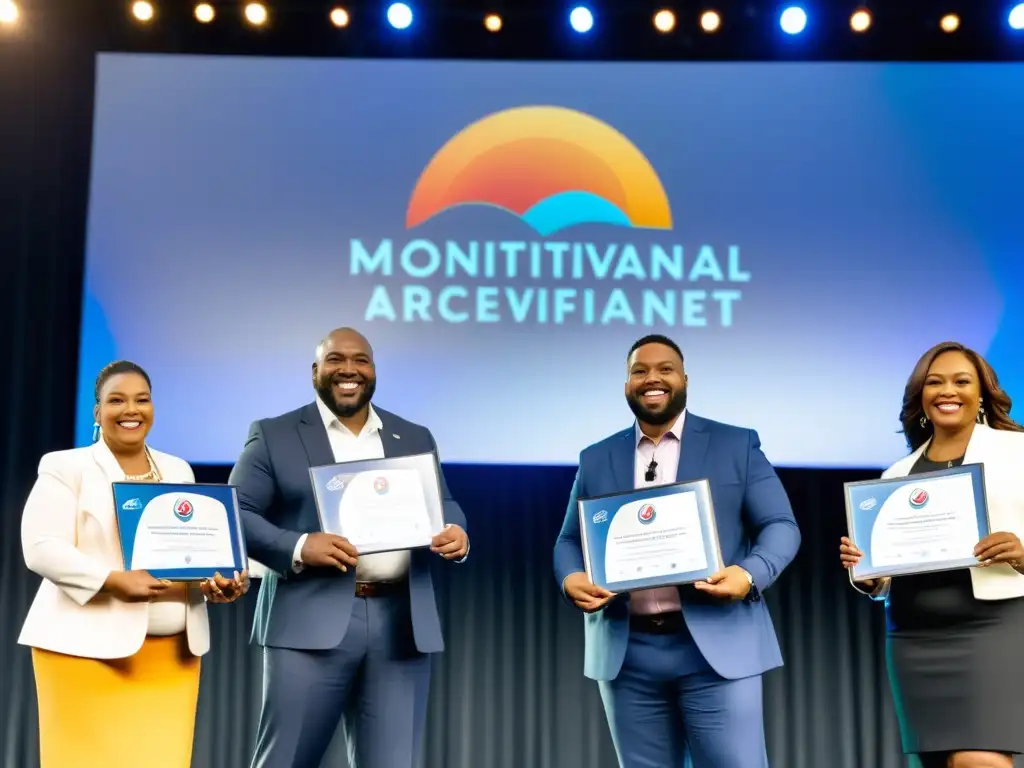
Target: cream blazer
[[1002, 453], [69, 537]]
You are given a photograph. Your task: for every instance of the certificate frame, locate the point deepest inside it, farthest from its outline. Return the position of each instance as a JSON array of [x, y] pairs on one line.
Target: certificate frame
[[594, 514], [866, 498], [131, 500], [331, 481]]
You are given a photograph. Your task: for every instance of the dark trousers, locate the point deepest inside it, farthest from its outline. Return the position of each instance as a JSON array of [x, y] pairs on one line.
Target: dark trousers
[[375, 683]]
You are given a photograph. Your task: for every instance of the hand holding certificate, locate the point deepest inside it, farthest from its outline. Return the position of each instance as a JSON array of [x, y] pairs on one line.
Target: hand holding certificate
[[180, 532], [917, 524], [651, 537], [381, 505]]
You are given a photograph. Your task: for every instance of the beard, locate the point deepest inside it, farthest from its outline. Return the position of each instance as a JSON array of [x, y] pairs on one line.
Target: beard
[[666, 415], [325, 389]]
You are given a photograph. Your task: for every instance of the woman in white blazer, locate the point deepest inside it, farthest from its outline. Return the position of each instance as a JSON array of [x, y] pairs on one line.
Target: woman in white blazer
[[115, 653], [954, 638]]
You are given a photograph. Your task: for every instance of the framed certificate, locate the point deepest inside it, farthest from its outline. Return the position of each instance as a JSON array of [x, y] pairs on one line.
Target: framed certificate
[[652, 537], [381, 505], [919, 523], [180, 532]]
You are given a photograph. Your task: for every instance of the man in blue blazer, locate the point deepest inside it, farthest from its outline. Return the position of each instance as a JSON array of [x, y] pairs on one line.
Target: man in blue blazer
[[345, 637], [679, 668]]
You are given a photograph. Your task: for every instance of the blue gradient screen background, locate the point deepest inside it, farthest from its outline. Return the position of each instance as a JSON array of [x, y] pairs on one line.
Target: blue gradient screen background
[[876, 208]]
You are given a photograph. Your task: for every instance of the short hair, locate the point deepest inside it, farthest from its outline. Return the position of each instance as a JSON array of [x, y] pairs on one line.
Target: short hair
[[655, 338], [116, 368]]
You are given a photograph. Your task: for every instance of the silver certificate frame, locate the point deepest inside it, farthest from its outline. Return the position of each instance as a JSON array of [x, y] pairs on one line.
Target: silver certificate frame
[[647, 537], [398, 488], [923, 517]]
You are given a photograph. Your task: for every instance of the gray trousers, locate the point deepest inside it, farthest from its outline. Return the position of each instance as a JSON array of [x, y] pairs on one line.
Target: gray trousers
[[375, 683]]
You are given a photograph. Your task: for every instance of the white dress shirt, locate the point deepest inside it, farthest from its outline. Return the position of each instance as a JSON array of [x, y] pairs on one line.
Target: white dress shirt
[[666, 452], [346, 446]]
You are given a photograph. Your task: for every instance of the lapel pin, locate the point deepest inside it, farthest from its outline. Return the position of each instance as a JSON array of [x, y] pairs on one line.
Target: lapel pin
[[397, 437]]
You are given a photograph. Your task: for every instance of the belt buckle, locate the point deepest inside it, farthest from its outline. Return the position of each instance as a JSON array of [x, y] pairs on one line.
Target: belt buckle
[[658, 621]]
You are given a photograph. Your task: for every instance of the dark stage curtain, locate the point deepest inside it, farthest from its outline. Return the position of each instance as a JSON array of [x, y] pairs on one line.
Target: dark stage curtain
[[509, 692]]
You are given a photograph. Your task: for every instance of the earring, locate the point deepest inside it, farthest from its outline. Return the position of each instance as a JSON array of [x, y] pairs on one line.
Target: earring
[[924, 422], [981, 414], [95, 431]]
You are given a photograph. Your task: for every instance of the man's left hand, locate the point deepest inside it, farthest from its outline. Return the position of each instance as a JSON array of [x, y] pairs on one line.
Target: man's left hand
[[452, 543], [733, 583]]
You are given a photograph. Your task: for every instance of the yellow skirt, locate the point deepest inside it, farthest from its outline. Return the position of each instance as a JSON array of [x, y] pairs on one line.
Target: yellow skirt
[[138, 712]]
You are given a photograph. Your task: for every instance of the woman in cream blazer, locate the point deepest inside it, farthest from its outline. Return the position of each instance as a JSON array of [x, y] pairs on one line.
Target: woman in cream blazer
[[115, 654], [953, 637]]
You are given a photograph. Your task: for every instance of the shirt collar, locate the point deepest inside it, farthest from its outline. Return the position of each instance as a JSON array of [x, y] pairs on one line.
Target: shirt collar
[[373, 422], [676, 430]]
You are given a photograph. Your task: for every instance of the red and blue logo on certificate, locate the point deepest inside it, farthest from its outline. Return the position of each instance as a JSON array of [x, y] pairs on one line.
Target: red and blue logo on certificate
[[380, 485], [183, 510], [646, 514], [918, 498]]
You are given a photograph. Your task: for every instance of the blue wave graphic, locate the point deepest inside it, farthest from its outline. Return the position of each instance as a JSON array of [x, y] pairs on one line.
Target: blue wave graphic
[[567, 209], [97, 347]]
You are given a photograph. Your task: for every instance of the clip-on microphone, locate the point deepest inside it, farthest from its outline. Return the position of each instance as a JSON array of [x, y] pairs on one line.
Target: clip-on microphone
[[650, 474]]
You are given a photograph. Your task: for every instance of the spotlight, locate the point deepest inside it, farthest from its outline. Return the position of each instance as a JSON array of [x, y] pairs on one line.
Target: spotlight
[[664, 21], [710, 21], [581, 19], [492, 22], [339, 17], [142, 10], [1016, 19], [256, 14], [860, 20], [950, 23], [8, 12], [399, 15], [204, 13], [793, 20]]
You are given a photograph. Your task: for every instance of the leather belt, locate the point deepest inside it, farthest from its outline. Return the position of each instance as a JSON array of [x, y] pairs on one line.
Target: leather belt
[[657, 624], [380, 588]]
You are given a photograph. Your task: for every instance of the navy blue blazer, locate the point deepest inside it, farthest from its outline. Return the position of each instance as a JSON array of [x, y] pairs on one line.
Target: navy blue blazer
[[310, 610], [756, 530]]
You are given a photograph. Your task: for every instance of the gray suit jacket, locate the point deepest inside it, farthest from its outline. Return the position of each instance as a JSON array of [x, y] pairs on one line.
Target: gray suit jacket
[[310, 610]]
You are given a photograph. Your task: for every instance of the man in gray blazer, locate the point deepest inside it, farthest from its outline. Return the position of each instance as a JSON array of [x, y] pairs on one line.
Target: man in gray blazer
[[345, 637]]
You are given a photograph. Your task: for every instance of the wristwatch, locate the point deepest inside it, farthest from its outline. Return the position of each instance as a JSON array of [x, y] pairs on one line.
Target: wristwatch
[[753, 595]]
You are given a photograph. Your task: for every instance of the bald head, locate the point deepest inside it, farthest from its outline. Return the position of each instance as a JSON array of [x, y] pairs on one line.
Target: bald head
[[344, 376], [341, 337]]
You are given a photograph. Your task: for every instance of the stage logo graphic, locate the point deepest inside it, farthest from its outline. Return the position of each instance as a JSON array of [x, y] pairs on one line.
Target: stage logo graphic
[[552, 167], [577, 184]]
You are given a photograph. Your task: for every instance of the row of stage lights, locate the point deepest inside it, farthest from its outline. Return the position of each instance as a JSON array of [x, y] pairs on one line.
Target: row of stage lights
[[793, 19]]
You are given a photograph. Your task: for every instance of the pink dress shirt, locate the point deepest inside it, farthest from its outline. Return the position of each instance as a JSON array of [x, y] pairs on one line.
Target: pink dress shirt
[[666, 452]]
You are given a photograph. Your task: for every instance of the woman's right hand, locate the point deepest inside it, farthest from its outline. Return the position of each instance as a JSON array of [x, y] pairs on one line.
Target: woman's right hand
[[849, 556], [134, 586]]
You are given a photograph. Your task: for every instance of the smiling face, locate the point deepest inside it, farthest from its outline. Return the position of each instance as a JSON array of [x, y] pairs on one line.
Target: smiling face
[[344, 375], [656, 384], [125, 411], [951, 395]]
